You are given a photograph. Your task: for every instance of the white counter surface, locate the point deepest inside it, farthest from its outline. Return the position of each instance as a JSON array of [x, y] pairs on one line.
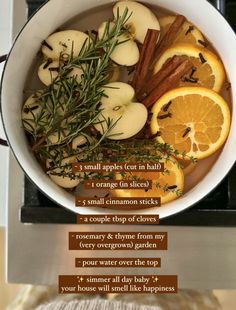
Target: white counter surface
[[5, 35], [13, 15]]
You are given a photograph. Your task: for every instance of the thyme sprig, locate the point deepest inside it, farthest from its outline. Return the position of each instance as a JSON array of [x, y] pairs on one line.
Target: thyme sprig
[[169, 189], [123, 151], [142, 150]]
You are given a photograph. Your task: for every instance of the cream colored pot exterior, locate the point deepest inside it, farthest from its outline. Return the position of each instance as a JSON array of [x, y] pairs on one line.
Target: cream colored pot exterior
[[26, 46]]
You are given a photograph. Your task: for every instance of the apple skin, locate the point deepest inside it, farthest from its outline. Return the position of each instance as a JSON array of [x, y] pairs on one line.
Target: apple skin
[[118, 105]]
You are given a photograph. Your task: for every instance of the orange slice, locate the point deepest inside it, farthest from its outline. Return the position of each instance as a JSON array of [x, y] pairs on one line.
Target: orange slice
[[196, 123], [209, 70], [187, 34], [171, 183]]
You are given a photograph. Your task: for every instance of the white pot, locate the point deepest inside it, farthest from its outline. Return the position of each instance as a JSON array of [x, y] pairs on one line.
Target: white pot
[[50, 17]]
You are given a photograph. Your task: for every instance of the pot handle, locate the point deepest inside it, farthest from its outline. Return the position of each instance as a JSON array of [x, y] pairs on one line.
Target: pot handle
[[3, 142], [3, 58], [220, 5]]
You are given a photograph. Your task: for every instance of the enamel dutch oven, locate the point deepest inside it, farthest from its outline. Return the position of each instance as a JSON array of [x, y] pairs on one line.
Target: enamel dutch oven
[[50, 17]]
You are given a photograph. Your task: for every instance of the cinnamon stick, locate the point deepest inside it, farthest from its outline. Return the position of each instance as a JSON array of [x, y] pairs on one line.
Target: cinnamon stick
[[145, 58], [169, 37], [168, 83], [158, 77]]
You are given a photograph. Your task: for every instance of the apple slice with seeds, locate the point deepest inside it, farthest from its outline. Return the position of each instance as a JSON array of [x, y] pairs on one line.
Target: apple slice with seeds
[[68, 42], [118, 106], [141, 18], [127, 52]]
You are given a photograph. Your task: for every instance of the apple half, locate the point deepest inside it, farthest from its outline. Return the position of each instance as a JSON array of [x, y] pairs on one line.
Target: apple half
[[127, 52], [67, 42], [118, 106], [64, 181], [32, 108], [140, 20], [48, 71]]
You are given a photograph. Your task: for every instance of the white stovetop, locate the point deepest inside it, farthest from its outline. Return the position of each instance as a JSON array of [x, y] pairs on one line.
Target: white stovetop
[[9, 27], [5, 34]]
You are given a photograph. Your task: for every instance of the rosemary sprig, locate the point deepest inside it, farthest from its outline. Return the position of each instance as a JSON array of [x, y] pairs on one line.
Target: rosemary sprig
[[70, 106]]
